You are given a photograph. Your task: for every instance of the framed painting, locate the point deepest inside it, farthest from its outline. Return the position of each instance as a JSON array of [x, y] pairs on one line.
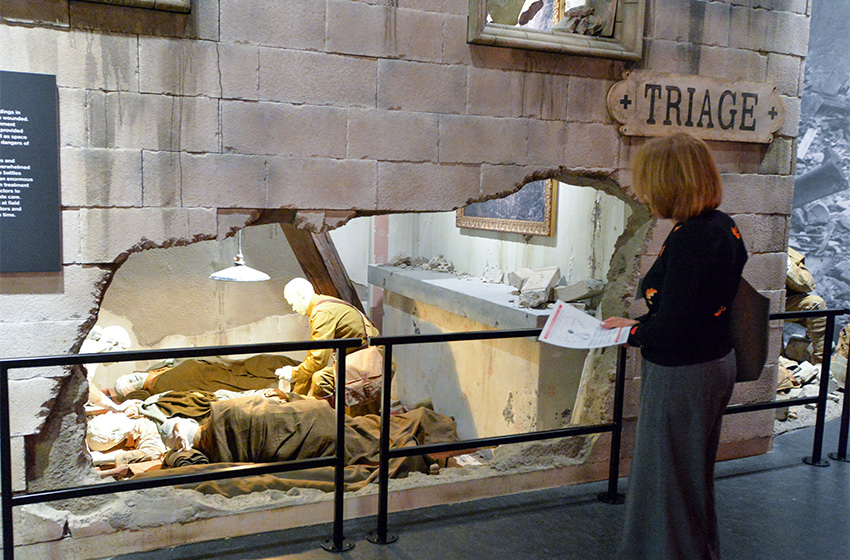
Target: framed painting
[[529, 211]]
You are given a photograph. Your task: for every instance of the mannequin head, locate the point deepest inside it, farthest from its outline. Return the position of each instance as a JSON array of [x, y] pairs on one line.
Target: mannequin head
[[179, 433], [298, 293], [105, 431], [130, 382]]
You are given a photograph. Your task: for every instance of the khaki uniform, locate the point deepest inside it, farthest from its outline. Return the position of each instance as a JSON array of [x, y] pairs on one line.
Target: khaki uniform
[[799, 296], [329, 318]]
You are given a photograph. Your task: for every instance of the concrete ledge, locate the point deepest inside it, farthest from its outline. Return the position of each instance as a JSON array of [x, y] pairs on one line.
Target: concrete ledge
[[472, 298]]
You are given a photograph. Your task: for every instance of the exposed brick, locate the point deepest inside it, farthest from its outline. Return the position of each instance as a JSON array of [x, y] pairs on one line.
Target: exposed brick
[[383, 31], [272, 23], [786, 72], [765, 194], [154, 122], [426, 186], [467, 139], [587, 100], [223, 181], [392, 135], [763, 233], [345, 184], [419, 86], [114, 67], [280, 129], [317, 78], [99, 177], [72, 117], [179, 67], [240, 71], [161, 179]]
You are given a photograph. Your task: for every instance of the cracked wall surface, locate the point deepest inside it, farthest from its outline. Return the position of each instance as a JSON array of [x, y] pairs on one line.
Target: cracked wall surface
[[176, 128]]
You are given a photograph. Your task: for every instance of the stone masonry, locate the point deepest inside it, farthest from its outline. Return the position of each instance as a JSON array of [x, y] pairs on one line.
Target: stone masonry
[[179, 127]]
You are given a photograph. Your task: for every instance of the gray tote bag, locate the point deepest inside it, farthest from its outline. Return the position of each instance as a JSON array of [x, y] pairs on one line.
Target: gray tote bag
[[750, 331]]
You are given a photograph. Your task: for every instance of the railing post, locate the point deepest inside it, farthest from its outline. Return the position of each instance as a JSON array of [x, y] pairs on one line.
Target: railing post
[[380, 536], [841, 455], [6, 466], [612, 496], [338, 542], [820, 417]]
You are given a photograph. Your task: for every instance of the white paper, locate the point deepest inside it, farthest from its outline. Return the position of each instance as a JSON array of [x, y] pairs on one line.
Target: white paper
[[571, 328]]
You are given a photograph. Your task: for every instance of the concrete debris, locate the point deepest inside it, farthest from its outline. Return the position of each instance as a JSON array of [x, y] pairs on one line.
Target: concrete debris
[[533, 298], [439, 264], [580, 290], [518, 277], [494, 276]]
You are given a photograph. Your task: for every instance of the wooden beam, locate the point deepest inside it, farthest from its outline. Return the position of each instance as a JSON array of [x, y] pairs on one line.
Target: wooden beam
[[321, 264]]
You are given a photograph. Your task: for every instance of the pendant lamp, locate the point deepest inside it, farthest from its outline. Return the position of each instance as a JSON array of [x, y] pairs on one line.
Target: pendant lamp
[[239, 272]]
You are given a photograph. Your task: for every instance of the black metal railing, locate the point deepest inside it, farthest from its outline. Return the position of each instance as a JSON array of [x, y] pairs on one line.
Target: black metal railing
[[337, 542]]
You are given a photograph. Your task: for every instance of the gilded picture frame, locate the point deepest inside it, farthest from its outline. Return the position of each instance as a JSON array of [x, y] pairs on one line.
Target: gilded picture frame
[[529, 211]]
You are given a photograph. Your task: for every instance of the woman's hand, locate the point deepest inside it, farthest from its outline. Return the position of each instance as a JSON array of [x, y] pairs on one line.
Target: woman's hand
[[617, 322]]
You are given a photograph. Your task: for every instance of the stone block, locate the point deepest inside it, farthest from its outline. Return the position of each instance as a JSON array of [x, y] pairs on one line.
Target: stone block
[[584, 289], [280, 129], [262, 22], [74, 300], [29, 403], [548, 142], [53, 12], [518, 277], [330, 184], [763, 194], [740, 427], [792, 118], [426, 186], [179, 67], [733, 64], [223, 181], [498, 179], [72, 117], [469, 139], [586, 102], [97, 61], [420, 86], [786, 72], [161, 179], [154, 122], [547, 96], [317, 78], [495, 93], [738, 158], [199, 23], [592, 146], [36, 523], [383, 31], [779, 158], [28, 49], [392, 135], [769, 31], [763, 233], [240, 71], [455, 48], [100, 177], [673, 25], [70, 236], [766, 271], [19, 483], [542, 279], [203, 223], [107, 233]]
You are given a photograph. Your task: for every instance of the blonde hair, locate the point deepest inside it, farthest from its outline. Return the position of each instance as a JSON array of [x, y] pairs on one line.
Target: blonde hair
[[676, 177]]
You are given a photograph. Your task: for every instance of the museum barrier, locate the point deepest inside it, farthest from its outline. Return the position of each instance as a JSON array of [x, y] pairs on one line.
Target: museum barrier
[[337, 542], [9, 500], [381, 536]]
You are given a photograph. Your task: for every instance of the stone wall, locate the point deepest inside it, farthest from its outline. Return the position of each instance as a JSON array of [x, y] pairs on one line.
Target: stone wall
[[176, 128]]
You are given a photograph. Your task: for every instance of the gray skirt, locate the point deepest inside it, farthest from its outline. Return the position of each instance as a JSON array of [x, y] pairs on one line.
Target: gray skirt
[[670, 512]]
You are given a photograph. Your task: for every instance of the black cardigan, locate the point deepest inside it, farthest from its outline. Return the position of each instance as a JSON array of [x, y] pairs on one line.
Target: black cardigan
[[688, 292]]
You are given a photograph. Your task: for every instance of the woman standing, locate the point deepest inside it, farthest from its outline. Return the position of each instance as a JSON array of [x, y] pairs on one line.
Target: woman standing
[[688, 365]]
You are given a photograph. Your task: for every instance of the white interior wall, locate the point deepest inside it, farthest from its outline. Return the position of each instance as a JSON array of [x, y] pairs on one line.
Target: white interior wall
[[165, 299]]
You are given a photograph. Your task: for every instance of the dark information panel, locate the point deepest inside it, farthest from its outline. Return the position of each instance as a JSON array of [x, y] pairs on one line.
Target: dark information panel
[[30, 219]]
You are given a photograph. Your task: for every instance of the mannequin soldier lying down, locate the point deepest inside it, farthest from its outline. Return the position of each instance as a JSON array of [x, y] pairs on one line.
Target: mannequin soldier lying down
[[258, 428]]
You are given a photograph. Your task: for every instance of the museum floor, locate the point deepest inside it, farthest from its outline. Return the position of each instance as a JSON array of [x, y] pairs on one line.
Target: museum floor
[[771, 507]]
